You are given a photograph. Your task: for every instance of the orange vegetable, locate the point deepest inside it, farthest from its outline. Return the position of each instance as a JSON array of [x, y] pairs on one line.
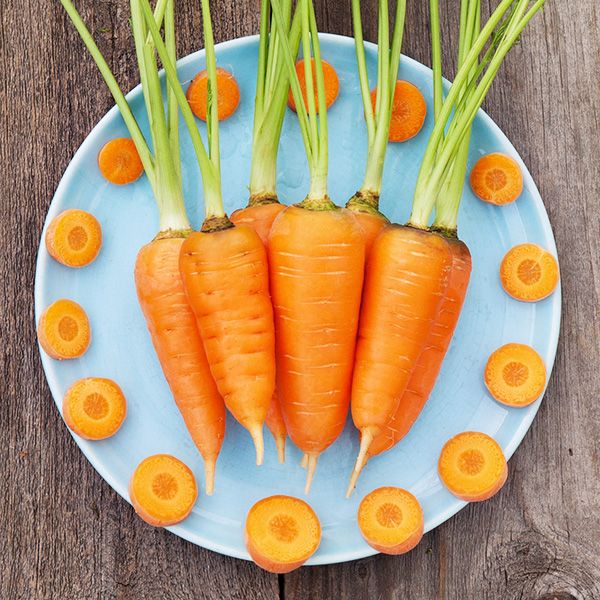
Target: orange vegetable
[[258, 216], [472, 466], [64, 330], [74, 238], [316, 262], [281, 533], [428, 365], [515, 375], [408, 111], [391, 520], [529, 273], [163, 490], [332, 84], [179, 348], [406, 277], [94, 408], [228, 94], [496, 178], [371, 225], [119, 161], [225, 274]]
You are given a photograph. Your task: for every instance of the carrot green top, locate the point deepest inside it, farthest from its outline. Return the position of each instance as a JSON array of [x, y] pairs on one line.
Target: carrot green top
[[481, 52], [272, 87], [378, 122], [162, 166]]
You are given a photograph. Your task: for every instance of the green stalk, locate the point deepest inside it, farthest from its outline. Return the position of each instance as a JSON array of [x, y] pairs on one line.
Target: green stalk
[[172, 108], [115, 90], [441, 150], [210, 176], [436, 56]]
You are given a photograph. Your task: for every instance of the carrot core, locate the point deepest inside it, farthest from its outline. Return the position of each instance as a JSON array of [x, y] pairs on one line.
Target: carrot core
[[67, 329], [95, 406]]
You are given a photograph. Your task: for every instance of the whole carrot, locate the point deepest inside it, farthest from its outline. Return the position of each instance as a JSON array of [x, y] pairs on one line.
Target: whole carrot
[[225, 272], [316, 258], [169, 317]]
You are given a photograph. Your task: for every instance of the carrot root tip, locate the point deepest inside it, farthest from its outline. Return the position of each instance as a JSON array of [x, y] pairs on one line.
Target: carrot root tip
[[311, 465], [256, 431], [280, 443], [353, 479], [304, 461], [209, 476]]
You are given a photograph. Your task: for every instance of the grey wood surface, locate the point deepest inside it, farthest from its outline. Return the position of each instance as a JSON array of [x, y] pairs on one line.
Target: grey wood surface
[[65, 534]]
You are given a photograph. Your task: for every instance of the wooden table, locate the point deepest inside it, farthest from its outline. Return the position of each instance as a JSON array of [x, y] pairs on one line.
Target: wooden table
[[66, 534]]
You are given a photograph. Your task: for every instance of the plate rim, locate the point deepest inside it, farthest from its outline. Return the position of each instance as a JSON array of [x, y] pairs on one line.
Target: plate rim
[[180, 530]]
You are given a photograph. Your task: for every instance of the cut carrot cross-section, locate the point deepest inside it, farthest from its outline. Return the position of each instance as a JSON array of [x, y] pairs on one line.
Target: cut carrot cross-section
[[391, 520], [163, 490], [496, 178], [119, 161], [281, 533], [408, 111], [529, 273], [515, 375], [472, 466], [64, 330], [332, 84], [228, 94], [94, 408], [74, 238]]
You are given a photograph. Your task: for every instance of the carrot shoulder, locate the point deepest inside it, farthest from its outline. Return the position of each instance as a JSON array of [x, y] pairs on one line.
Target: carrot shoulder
[[281, 533], [179, 348], [74, 238]]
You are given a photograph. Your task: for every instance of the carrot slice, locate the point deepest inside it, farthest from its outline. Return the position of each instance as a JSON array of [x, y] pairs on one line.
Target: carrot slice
[[472, 466], [64, 330], [391, 520], [515, 375], [496, 178], [529, 273], [94, 408], [163, 490], [228, 94], [281, 533], [330, 77], [119, 161], [408, 111], [74, 238]]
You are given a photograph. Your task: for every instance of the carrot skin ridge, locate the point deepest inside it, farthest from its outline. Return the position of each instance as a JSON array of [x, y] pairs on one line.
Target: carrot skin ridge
[[179, 347]]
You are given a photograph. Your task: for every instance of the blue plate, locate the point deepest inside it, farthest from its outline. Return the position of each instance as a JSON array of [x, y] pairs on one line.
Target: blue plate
[[121, 347]]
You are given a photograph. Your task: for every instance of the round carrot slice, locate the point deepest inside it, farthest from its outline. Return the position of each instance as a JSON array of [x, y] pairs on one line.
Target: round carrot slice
[[529, 273], [515, 375], [330, 77], [64, 330], [281, 533], [119, 161], [391, 520], [228, 94], [94, 408], [163, 490], [496, 178], [74, 238], [472, 466], [408, 111]]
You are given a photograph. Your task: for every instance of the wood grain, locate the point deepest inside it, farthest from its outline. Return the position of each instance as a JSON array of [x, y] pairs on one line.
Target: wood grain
[[68, 535]]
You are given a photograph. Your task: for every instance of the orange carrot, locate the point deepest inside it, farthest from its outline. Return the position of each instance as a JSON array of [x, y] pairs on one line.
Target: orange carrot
[[119, 161], [74, 238], [529, 273], [228, 94], [496, 178], [179, 347], [332, 84], [472, 466], [94, 408], [515, 375], [371, 224], [64, 330], [162, 490], [407, 274], [259, 216], [427, 367], [391, 520], [281, 533], [316, 262], [276, 425], [225, 274], [408, 111]]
